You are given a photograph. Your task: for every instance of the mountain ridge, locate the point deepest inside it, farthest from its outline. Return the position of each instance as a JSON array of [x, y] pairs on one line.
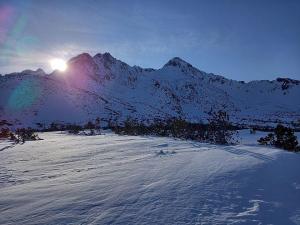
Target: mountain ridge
[[171, 61], [103, 86]]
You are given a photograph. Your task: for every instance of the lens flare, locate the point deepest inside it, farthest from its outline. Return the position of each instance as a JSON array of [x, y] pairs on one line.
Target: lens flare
[[25, 95]]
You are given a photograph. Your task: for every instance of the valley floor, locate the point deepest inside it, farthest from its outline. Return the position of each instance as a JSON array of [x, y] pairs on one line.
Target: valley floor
[[111, 179]]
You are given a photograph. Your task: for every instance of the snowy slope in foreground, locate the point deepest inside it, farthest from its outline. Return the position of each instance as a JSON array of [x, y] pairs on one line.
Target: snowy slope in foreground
[[112, 179]]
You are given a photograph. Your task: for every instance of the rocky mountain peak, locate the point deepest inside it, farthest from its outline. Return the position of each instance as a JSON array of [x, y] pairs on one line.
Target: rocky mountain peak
[[177, 62]]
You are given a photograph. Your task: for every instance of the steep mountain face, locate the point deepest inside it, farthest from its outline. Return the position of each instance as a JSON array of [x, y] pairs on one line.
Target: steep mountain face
[[102, 86]]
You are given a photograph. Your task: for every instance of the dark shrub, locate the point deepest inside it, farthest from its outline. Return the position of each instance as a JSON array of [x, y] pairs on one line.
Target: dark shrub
[[283, 137], [74, 129], [54, 127], [93, 127], [268, 140], [89, 125], [26, 134], [5, 133]]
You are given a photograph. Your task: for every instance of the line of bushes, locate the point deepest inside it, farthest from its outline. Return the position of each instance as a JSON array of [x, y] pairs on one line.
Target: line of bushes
[[218, 130], [29, 134], [90, 128], [20, 135]]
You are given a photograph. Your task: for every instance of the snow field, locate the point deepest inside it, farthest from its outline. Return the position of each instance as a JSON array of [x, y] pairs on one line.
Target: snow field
[[111, 179]]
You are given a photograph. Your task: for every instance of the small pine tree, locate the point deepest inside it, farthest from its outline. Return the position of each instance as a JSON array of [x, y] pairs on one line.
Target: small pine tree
[[219, 128]]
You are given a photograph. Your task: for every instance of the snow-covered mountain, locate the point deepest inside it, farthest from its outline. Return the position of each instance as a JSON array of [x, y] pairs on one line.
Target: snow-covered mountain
[[102, 86]]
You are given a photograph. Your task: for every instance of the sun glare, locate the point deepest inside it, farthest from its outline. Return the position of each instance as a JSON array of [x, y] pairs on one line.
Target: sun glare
[[58, 64]]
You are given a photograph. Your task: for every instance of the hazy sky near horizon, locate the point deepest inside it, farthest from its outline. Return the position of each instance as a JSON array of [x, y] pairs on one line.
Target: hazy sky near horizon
[[239, 39]]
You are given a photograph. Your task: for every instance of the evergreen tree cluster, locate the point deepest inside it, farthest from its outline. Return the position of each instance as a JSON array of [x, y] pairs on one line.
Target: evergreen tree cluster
[[283, 137]]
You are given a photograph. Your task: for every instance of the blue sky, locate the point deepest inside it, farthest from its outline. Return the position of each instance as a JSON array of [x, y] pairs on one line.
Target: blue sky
[[240, 39]]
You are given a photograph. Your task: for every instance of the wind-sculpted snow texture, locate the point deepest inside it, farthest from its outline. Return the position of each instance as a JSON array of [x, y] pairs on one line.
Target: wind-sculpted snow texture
[[102, 86], [111, 179]]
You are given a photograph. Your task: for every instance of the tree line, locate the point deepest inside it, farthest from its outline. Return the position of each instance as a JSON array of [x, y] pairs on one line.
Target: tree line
[[218, 130]]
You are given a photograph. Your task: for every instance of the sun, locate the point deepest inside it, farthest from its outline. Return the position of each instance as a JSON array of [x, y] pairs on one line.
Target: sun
[[58, 64]]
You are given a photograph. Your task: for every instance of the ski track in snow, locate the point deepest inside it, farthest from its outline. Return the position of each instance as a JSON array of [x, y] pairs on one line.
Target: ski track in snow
[[111, 179]]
